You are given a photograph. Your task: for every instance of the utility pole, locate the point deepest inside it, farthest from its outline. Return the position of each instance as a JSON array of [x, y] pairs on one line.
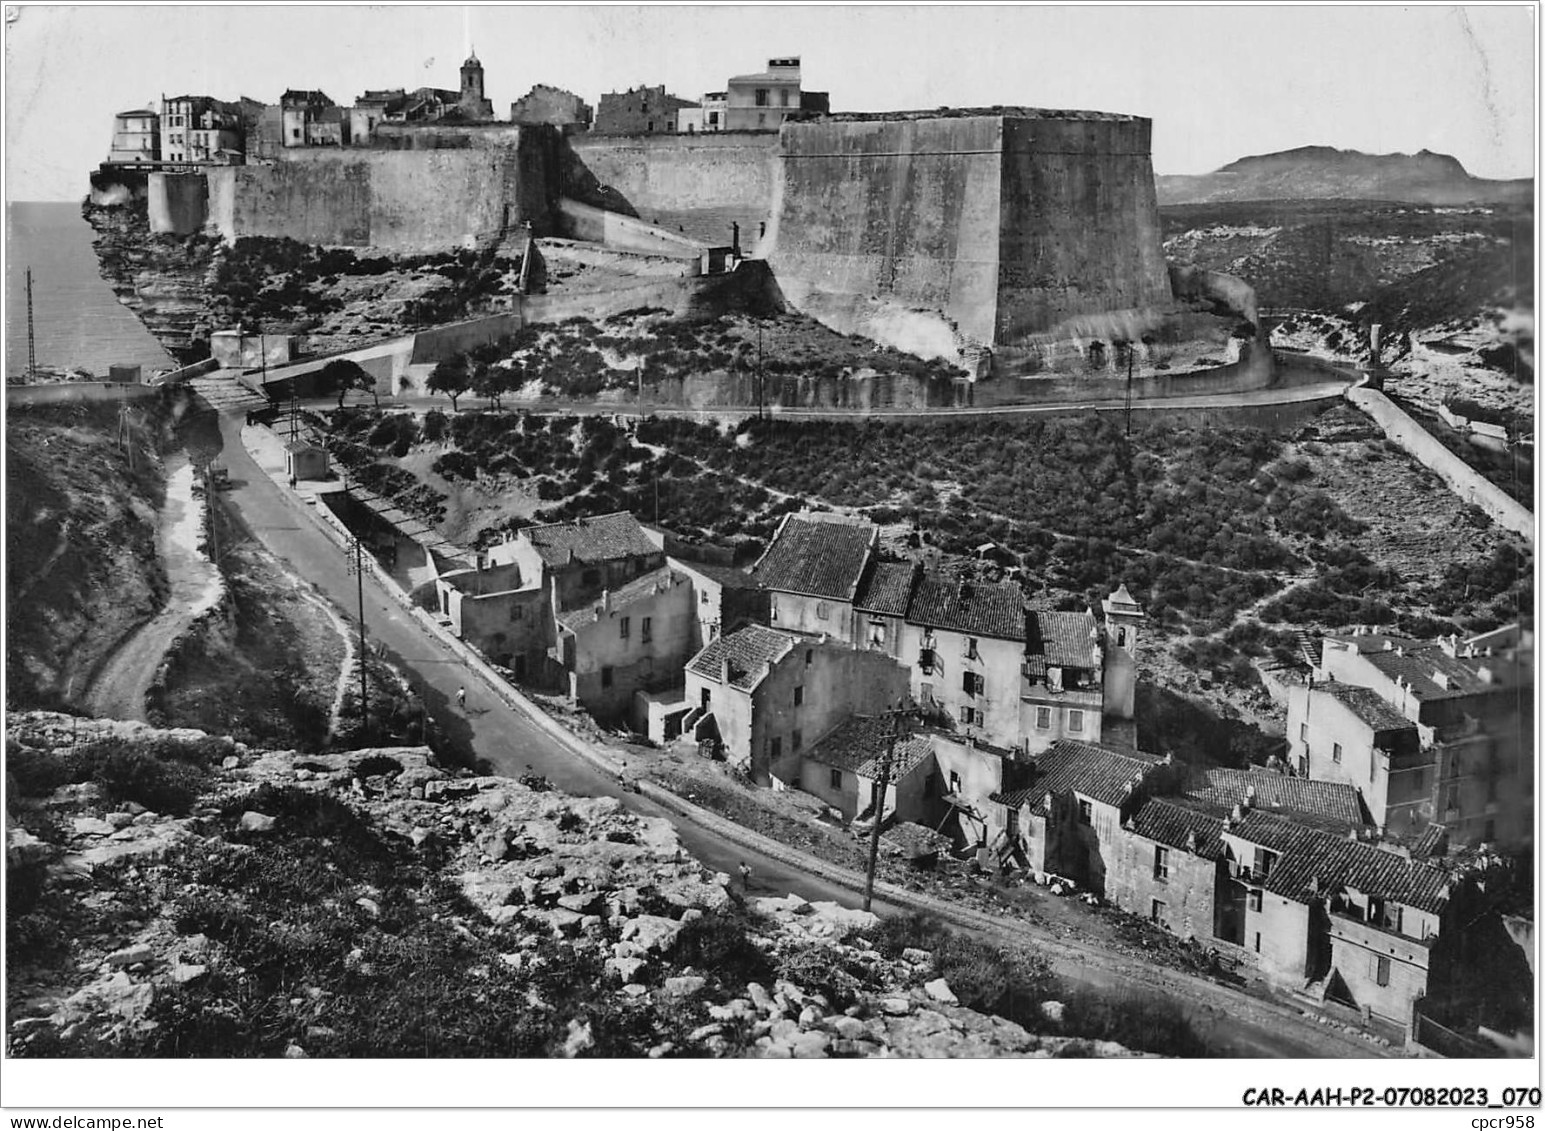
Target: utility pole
[[356, 566], [32, 355], [895, 731], [1131, 351], [761, 375]]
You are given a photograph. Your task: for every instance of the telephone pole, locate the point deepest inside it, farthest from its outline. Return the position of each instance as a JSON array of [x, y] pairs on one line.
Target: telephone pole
[[32, 355], [1131, 351], [895, 731], [761, 375], [356, 566]]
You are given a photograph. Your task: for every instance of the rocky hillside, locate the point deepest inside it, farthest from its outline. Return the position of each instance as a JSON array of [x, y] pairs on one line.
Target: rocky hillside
[[176, 894], [82, 491], [1318, 172]]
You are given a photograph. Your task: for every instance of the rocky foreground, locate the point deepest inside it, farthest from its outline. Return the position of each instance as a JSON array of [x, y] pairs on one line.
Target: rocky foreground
[[376, 903]]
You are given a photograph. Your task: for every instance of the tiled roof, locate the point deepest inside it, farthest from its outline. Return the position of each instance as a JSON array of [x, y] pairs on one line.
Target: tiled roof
[[1424, 665], [859, 744], [971, 607], [817, 557], [748, 650], [1096, 771], [1323, 800], [1171, 821], [1367, 704], [1062, 639], [1313, 863], [639, 589], [589, 540], [886, 588]]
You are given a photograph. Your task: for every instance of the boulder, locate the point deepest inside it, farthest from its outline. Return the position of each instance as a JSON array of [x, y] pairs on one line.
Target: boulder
[[92, 826], [633, 989], [690, 893], [684, 985], [130, 956], [185, 972], [252, 822], [21, 847], [733, 1010], [850, 1028], [1053, 1011], [652, 932], [229, 762], [626, 969], [292, 1051], [916, 957], [583, 902], [810, 1046], [896, 1006], [369, 906], [703, 1032], [809, 1016], [118, 995], [760, 997], [120, 819], [579, 1037], [939, 990]]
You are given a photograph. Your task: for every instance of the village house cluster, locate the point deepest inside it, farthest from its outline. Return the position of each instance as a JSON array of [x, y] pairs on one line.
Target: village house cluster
[[1330, 880], [194, 130]]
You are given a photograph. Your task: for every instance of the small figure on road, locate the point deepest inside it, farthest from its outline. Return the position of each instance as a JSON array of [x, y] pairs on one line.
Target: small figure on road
[[461, 698], [745, 876]]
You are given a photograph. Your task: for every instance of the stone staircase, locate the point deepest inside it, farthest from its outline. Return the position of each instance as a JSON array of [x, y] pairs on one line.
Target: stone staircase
[[225, 393]]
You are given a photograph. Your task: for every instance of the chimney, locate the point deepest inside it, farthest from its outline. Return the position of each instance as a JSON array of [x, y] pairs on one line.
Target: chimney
[[1238, 814], [724, 671], [606, 600], [1250, 794], [1191, 844]]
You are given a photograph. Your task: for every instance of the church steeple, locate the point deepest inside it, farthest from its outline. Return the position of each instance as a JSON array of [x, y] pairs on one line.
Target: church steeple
[[473, 103]]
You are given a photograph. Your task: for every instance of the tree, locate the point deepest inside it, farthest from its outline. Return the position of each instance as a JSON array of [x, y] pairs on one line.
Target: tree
[[341, 374], [451, 378]]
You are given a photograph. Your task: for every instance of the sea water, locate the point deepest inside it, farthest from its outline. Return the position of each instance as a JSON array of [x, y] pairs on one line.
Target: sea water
[[78, 321]]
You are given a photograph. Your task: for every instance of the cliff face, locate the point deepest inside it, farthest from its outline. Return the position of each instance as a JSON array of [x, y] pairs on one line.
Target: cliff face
[[164, 280]]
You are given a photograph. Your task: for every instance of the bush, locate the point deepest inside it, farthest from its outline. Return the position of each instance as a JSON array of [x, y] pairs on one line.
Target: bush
[[127, 773], [720, 945], [36, 773]]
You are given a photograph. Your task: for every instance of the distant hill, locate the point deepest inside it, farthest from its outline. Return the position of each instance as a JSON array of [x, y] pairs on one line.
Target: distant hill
[[1317, 172]]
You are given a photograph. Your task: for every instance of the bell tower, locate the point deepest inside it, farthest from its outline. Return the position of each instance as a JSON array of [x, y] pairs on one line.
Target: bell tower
[[1123, 617], [473, 104]]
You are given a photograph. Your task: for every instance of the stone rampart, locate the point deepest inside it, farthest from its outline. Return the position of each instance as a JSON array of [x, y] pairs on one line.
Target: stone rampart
[[178, 203]]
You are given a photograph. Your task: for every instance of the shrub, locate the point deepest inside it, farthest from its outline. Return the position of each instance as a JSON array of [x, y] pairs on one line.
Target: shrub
[[720, 945], [168, 786], [36, 773]]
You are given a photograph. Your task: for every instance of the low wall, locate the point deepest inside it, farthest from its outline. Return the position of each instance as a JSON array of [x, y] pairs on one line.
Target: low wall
[[442, 342], [73, 392], [1464, 480], [583, 222], [178, 203], [187, 372], [1255, 370]]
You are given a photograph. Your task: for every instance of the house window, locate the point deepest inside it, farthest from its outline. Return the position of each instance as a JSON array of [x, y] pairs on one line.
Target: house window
[[623, 625], [1381, 970], [761, 97], [925, 659], [777, 748], [783, 98], [809, 656], [972, 683], [517, 612], [702, 598], [1335, 752], [1085, 812], [1264, 859], [707, 697], [1157, 913], [971, 652], [761, 119], [836, 779], [799, 696], [954, 781], [1043, 718], [877, 633], [606, 677], [1257, 942], [1161, 863], [1373, 764], [1121, 637], [1254, 901], [822, 610], [799, 739], [772, 607], [1303, 732], [647, 629], [1075, 722]]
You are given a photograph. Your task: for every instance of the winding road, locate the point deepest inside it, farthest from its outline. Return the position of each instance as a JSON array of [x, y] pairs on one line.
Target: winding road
[[510, 740]]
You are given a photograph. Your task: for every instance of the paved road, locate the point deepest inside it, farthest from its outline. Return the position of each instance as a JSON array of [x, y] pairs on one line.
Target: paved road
[[1236, 1025]]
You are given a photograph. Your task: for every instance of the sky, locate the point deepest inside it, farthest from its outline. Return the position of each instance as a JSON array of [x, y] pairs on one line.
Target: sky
[[1219, 82]]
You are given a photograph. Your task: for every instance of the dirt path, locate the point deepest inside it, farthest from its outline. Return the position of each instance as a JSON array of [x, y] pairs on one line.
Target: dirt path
[[119, 689]]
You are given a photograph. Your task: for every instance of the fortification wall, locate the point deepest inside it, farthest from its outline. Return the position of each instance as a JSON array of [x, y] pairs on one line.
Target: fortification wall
[[74, 392], [677, 172], [890, 229], [177, 203], [400, 200], [1080, 229], [1463, 479]]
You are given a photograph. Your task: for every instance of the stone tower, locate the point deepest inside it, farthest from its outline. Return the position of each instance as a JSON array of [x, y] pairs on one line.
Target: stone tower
[[473, 104], [1123, 617]]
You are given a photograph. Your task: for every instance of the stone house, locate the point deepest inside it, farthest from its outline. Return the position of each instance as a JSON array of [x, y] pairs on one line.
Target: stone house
[[844, 769], [811, 570], [136, 137], [1471, 768], [305, 460], [726, 598], [504, 611], [642, 110], [547, 105], [579, 559], [880, 605], [371, 109], [635, 638], [1063, 694], [201, 130], [764, 695], [964, 643], [762, 101], [298, 110]]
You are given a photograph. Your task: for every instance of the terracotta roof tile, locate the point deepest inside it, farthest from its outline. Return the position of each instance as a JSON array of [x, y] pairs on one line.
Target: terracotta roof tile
[[818, 557], [977, 608], [1313, 863], [859, 745], [590, 540], [639, 589], [1320, 800], [1096, 771], [886, 588], [749, 650], [1062, 639], [1367, 704], [1173, 822]]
